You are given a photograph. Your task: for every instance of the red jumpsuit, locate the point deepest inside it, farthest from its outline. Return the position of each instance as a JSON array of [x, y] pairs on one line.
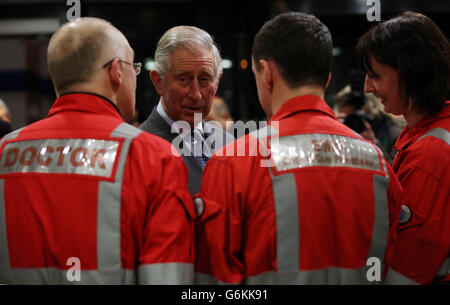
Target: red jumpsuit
[[317, 215], [422, 164], [83, 189]]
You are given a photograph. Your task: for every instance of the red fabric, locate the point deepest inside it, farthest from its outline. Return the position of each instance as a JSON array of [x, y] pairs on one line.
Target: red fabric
[[51, 217], [423, 170], [236, 236]]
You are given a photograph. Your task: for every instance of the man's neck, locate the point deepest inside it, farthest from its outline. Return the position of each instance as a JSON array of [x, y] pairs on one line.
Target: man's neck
[[282, 95], [95, 88]]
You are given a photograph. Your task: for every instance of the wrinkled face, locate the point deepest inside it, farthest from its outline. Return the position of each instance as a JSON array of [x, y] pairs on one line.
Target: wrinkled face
[[126, 99], [263, 96], [384, 83], [190, 85]]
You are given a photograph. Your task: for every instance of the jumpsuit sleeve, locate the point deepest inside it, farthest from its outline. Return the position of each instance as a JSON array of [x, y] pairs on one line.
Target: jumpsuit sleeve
[[423, 242], [219, 257], [167, 254]]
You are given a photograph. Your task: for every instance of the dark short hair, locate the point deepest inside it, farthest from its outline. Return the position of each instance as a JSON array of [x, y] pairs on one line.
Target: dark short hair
[[299, 44], [414, 45]]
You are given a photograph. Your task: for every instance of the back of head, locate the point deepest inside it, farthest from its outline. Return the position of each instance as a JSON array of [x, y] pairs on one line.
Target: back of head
[[188, 37], [300, 45], [414, 45], [78, 50]]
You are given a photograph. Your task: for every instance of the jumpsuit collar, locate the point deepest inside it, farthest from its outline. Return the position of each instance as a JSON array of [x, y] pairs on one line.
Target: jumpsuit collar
[[85, 102], [302, 103], [410, 134]]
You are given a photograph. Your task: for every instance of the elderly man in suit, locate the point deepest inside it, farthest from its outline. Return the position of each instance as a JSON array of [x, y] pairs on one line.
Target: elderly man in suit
[[187, 74]]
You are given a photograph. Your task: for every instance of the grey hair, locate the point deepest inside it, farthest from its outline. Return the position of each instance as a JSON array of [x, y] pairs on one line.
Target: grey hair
[[189, 37]]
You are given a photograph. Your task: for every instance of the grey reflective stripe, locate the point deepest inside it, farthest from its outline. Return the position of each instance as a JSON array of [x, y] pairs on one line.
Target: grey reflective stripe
[[381, 217], [331, 275], [395, 278], [439, 133], [33, 276], [166, 274], [205, 279], [287, 222], [109, 206], [445, 267], [306, 150], [12, 135], [4, 256], [86, 156]]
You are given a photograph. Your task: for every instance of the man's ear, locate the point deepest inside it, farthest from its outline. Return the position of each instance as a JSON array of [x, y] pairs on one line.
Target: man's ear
[[267, 72], [157, 82], [115, 73], [328, 81], [218, 81]]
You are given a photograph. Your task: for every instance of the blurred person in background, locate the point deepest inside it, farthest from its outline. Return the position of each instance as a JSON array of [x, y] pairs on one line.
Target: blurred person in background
[[364, 114], [5, 119], [83, 187], [407, 61], [220, 114]]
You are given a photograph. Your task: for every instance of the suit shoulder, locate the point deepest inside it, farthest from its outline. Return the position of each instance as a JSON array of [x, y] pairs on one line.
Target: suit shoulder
[[154, 142]]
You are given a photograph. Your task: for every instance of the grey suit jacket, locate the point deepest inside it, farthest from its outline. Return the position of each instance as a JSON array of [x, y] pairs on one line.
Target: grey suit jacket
[[156, 124]]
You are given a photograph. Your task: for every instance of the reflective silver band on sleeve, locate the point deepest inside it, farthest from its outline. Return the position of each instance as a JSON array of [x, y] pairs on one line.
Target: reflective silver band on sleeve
[[396, 278], [327, 276], [166, 274], [205, 279], [439, 133], [50, 275], [109, 206]]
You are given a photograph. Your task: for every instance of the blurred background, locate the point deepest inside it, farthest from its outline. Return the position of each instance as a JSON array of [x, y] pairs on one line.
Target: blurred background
[[26, 27]]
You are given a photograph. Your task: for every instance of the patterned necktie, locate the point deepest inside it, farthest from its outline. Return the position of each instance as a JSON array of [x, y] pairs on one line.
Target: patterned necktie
[[197, 148]]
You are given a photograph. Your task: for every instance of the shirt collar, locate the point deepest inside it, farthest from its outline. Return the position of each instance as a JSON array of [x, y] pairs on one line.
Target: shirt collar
[[410, 134], [302, 103]]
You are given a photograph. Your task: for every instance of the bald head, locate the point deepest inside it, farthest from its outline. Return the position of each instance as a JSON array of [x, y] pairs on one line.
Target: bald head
[[78, 50]]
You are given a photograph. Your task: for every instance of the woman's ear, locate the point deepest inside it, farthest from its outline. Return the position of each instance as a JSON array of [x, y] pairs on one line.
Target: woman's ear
[[157, 82]]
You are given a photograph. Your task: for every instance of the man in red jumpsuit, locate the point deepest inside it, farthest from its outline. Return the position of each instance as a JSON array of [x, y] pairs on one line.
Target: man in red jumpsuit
[[408, 66], [84, 197], [317, 209]]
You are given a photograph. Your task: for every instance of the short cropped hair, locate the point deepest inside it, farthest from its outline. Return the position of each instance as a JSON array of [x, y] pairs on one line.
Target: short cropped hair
[[73, 53], [300, 45], [189, 37], [414, 45]]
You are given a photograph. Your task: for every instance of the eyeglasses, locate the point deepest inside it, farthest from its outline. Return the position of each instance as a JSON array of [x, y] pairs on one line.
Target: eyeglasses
[[136, 66]]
